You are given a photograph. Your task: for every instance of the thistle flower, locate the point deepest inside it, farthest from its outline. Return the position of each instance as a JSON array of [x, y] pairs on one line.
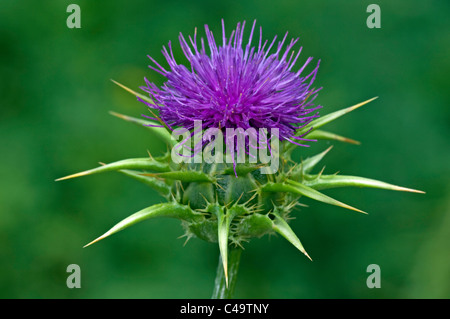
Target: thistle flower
[[234, 87]]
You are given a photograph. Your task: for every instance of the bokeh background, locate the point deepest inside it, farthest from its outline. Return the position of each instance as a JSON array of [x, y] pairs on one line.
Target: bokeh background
[[55, 94]]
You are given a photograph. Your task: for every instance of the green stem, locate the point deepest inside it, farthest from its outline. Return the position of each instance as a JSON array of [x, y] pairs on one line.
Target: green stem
[[221, 291]]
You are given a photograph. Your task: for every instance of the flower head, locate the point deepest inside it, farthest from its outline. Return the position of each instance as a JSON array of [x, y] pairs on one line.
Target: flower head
[[235, 85]]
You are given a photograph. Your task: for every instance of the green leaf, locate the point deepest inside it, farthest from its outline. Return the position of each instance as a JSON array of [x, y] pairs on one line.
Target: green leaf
[[161, 132], [184, 176], [282, 227], [132, 163], [171, 210], [324, 135], [302, 190], [333, 181]]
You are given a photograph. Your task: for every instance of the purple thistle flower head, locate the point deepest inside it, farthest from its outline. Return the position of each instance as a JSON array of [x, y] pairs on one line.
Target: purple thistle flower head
[[235, 85]]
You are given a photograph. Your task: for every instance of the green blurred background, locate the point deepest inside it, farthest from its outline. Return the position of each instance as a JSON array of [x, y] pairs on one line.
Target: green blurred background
[[55, 94]]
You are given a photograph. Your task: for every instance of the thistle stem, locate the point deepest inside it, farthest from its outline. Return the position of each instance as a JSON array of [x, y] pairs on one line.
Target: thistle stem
[[221, 291]]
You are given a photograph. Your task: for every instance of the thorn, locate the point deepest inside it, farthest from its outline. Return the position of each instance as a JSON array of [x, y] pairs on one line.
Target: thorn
[[217, 184], [186, 241], [294, 204], [181, 236], [73, 176], [242, 194], [144, 98], [125, 88], [257, 210], [207, 202], [239, 244], [306, 254], [291, 169], [227, 205], [327, 150], [226, 273], [273, 205], [352, 208], [188, 237], [350, 141], [404, 189], [287, 218], [251, 198], [310, 93], [354, 107], [321, 172], [121, 116], [96, 240]]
